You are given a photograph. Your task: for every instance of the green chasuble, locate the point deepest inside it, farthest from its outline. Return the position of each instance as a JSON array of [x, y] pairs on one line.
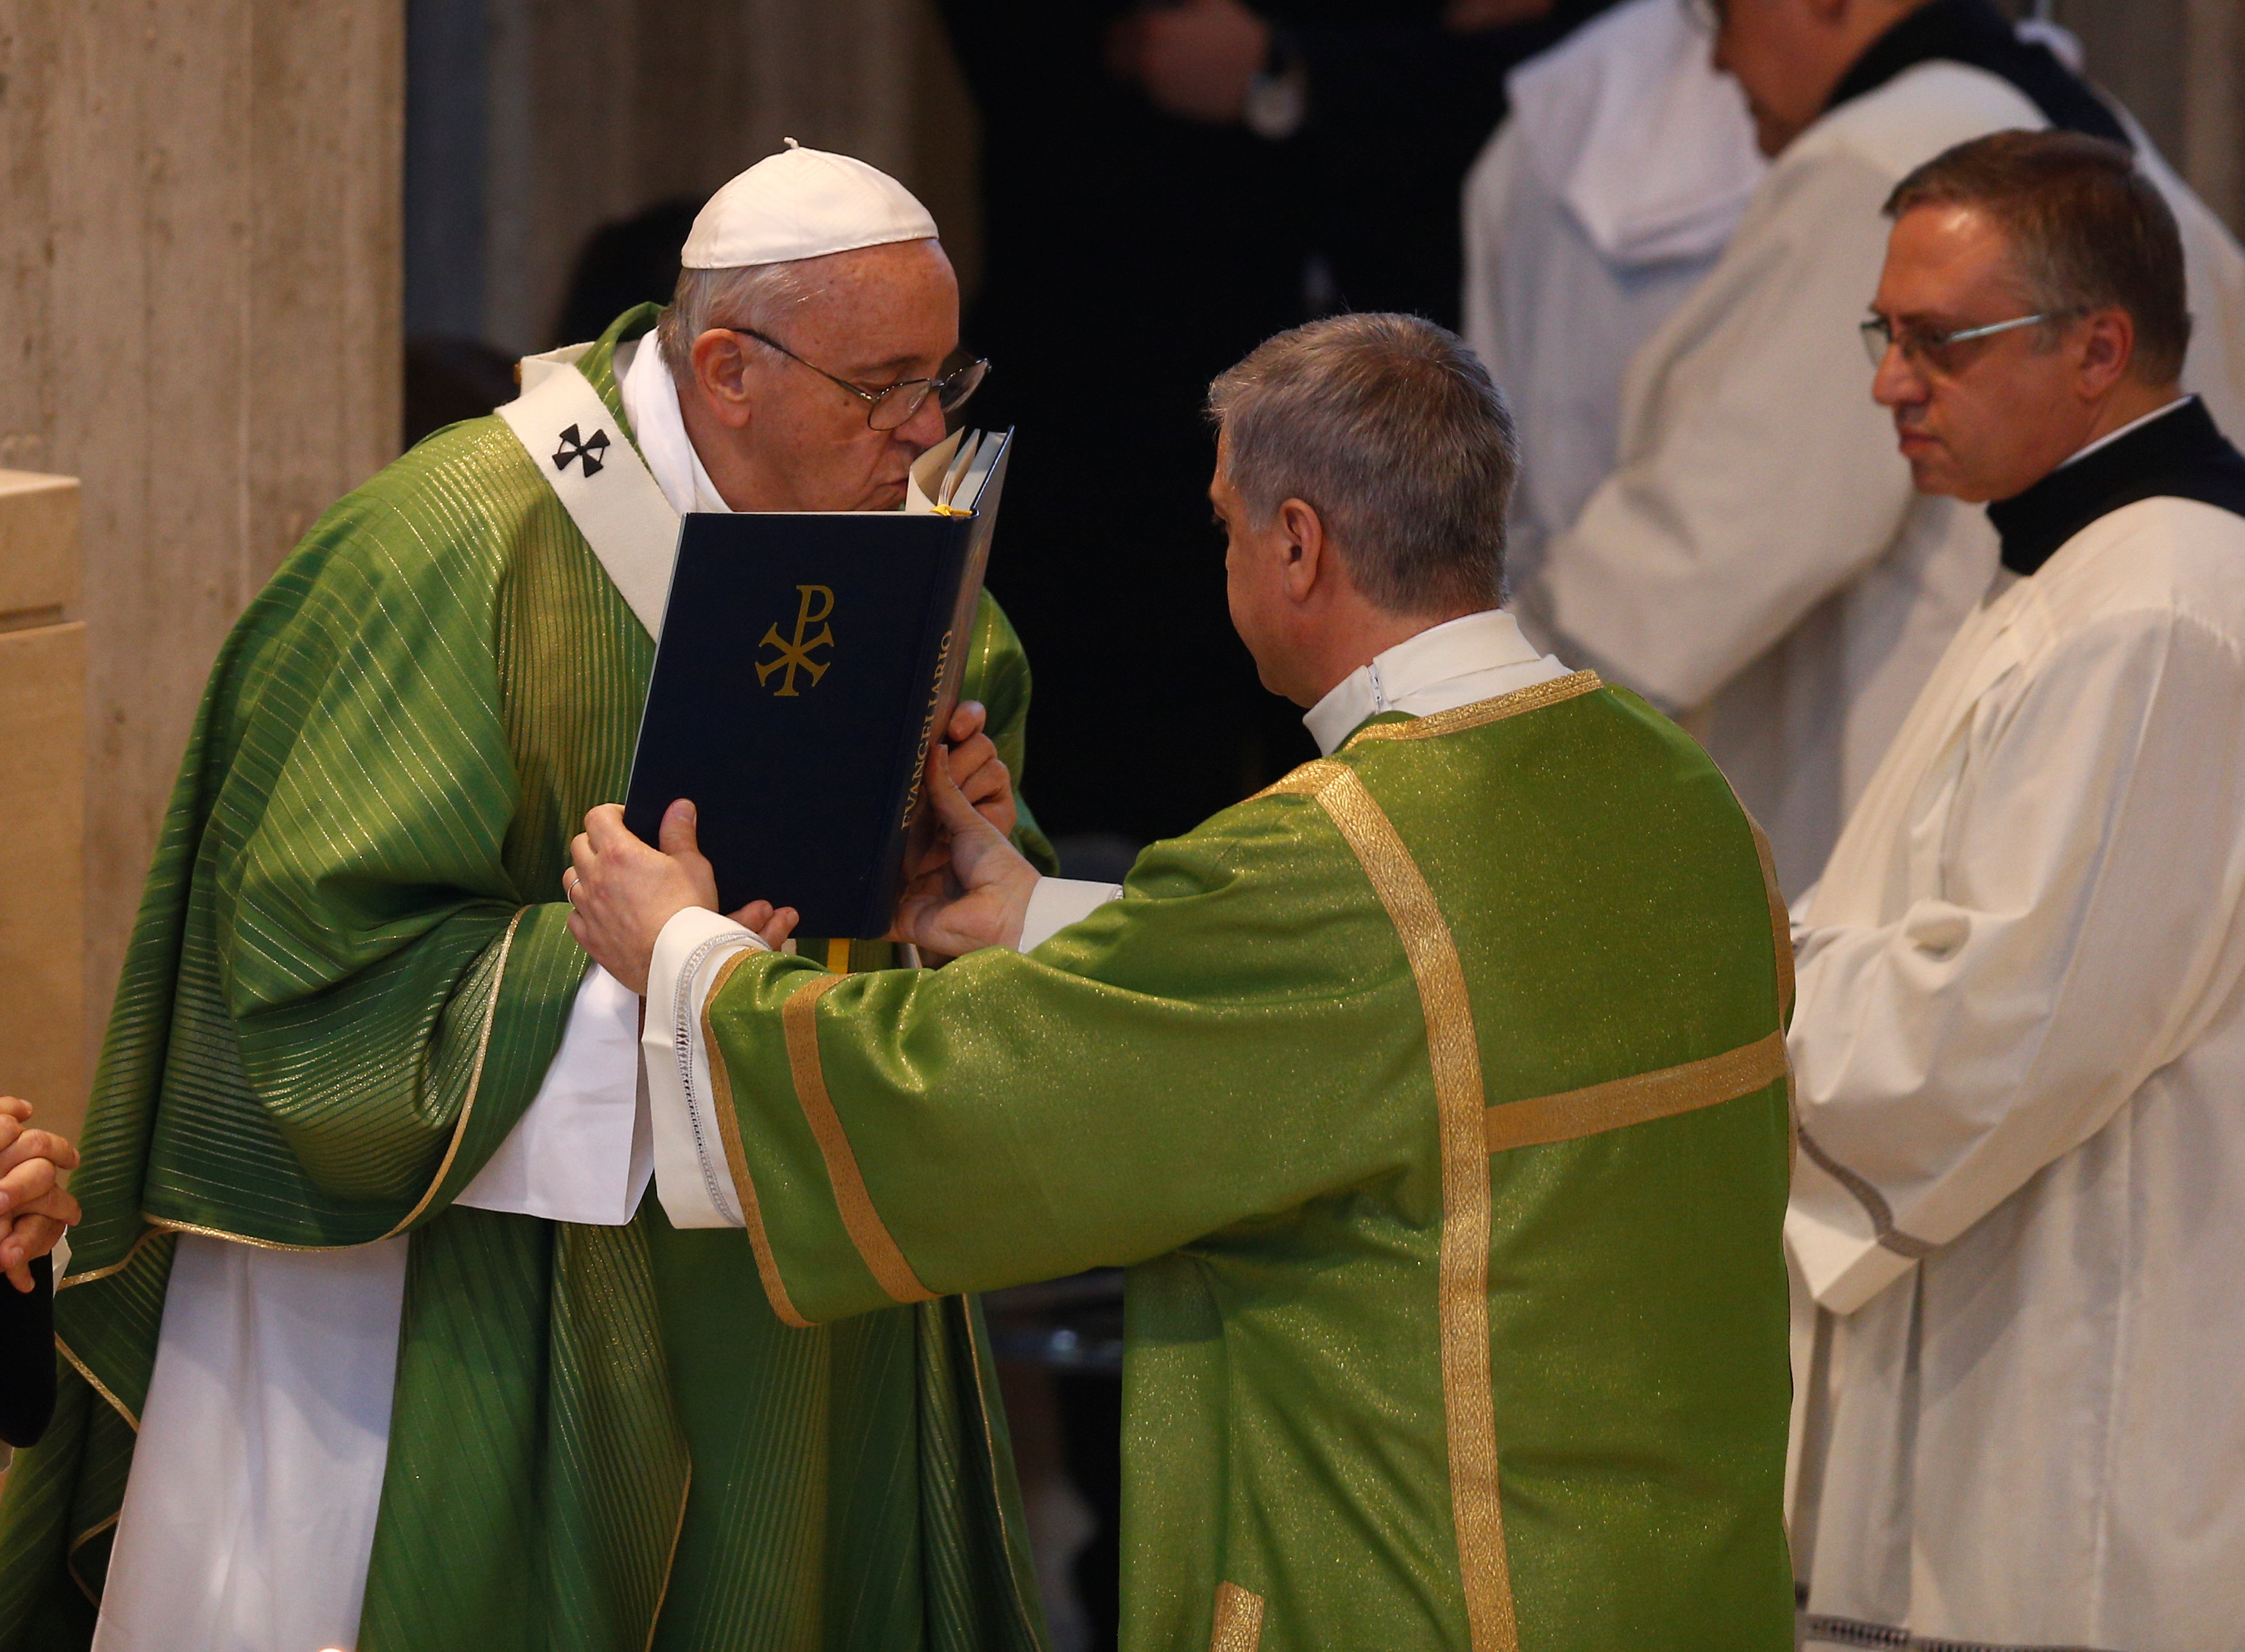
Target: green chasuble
[[1436, 1099], [350, 971]]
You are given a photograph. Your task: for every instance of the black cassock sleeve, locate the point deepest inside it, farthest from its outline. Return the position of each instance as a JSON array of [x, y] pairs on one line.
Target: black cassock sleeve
[[27, 1358]]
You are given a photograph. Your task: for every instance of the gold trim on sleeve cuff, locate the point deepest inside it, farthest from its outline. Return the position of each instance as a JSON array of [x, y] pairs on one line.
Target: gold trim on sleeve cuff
[[881, 1254], [729, 1132], [443, 1168], [475, 1078]]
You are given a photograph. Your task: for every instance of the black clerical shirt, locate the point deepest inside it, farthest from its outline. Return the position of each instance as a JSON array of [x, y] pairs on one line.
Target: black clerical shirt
[[27, 1358], [2178, 454], [1974, 33]]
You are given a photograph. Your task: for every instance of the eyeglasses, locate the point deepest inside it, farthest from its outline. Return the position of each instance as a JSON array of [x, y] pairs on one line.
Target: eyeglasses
[[1935, 352], [889, 409]]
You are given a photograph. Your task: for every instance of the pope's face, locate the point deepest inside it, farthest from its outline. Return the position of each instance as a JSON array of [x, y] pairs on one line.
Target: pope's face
[[798, 441], [1988, 418]]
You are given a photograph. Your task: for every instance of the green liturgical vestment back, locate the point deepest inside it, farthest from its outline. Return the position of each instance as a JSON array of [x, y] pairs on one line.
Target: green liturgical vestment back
[[1436, 1099], [350, 971]]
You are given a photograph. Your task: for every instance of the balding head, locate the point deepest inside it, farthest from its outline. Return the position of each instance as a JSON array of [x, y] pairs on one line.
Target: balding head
[[1790, 56]]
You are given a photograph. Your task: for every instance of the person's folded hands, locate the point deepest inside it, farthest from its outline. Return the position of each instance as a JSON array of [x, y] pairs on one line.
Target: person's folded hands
[[35, 1206]]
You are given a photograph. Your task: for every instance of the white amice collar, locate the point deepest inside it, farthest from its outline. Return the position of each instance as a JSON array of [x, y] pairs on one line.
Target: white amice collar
[[651, 403], [1456, 663]]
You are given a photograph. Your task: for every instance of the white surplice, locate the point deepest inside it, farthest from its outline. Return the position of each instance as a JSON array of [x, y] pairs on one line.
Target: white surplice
[[1759, 558], [248, 1518], [1459, 662], [2019, 1050], [1596, 208]]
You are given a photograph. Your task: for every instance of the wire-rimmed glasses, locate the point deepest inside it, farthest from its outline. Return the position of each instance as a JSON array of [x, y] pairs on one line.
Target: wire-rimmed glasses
[[1932, 351], [887, 409]]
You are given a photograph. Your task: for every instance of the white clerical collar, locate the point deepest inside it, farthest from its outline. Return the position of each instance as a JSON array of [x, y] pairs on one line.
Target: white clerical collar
[[2111, 436], [651, 403], [1456, 663]]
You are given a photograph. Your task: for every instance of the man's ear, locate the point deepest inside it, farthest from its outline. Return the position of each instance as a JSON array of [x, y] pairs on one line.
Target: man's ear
[[720, 373], [2106, 344], [1304, 549]]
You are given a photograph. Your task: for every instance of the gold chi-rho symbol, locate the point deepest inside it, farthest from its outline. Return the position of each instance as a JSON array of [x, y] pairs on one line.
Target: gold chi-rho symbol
[[817, 602]]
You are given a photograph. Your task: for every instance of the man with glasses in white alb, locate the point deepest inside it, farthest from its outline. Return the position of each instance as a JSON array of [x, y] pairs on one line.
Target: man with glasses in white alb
[[2021, 1032], [1758, 560]]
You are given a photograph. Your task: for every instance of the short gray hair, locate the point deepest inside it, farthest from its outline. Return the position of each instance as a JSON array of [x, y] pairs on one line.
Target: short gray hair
[[758, 295], [1393, 432]]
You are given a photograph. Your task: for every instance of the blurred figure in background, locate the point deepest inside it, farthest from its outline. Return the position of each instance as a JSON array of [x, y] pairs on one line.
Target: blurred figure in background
[[631, 261], [1604, 198], [1757, 559], [1164, 187]]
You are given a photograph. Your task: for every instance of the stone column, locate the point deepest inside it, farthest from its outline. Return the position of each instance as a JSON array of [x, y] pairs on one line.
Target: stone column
[[199, 303], [2212, 155]]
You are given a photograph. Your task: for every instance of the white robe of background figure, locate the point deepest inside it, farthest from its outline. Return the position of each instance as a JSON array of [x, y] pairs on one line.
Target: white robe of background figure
[[1758, 562], [1594, 211]]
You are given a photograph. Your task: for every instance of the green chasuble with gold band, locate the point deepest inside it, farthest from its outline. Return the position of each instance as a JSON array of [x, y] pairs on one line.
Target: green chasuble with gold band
[[350, 971], [1437, 1099]]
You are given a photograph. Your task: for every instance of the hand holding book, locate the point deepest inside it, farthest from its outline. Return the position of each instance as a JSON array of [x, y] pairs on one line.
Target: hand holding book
[[973, 888], [621, 890], [809, 662]]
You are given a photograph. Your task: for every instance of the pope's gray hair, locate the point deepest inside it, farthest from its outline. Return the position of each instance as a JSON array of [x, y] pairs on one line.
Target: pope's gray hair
[[1391, 429], [758, 295]]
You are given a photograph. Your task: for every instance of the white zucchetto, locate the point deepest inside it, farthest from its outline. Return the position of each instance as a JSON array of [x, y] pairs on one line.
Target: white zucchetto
[[803, 203]]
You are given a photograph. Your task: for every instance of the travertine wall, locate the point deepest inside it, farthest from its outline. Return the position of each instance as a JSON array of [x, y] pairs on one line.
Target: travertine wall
[[598, 108], [199, 308]]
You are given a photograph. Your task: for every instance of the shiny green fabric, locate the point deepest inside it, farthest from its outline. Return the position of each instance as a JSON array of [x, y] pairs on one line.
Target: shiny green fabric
[[351, 969], [1222, 1082]]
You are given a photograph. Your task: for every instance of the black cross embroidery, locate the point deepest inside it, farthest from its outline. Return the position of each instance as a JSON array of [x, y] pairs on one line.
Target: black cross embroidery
[[574, 448]]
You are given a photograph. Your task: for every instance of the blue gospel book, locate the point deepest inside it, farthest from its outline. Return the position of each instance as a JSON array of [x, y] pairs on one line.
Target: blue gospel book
[[808, 661]]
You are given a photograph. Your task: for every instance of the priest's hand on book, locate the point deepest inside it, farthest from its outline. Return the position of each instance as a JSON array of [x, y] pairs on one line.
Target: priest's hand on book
[[623, 889], [35, 1206], [974, 890], [979, 772], [982, 775]]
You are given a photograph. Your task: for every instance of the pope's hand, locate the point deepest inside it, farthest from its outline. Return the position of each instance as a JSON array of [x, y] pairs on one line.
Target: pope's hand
[[622, 891], [35, 1206], [978, 893]]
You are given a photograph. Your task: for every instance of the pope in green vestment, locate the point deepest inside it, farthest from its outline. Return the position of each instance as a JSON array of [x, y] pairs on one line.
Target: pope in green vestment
[[351, 968], [1436, 1100]]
